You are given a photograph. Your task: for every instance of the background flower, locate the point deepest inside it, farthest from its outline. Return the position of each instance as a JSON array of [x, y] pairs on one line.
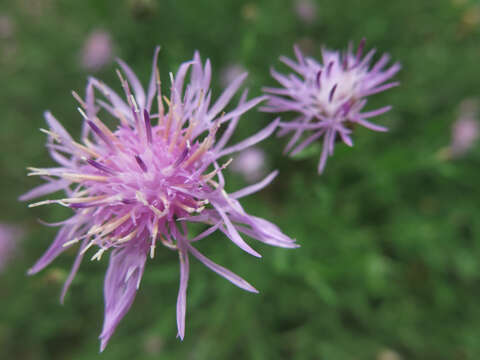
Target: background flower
[[230, 73], [306, 10], [9, 240], [329, 97], [465, 130], [97, 50], [251, 163]]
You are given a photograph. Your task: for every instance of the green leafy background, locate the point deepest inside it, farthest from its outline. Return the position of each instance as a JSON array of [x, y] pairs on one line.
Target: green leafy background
[[389, 261]]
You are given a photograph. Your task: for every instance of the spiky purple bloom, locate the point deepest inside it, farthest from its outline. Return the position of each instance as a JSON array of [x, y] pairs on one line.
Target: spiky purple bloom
[[145, 180], [329, 97]]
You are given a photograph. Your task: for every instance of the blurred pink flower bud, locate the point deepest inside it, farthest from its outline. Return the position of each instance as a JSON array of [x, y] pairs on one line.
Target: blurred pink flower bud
[[97, 50], [9, 236], [231, 72], [6, 27], [306, 10], [250, 164], [465, 130]]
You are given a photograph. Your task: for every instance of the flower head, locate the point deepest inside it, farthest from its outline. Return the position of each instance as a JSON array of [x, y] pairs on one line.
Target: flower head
[[9, 236], [250, 164], [465, 130], [7, 27], [329, 96], [229, 73], [97, 50], [140, 184], [306, 10]]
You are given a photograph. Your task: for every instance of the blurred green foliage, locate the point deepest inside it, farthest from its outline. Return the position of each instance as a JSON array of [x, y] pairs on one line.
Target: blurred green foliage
[[389, 234]]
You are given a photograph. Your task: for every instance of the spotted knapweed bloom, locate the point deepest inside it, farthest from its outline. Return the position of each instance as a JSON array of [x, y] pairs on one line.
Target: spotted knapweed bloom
[[329, 97], [145, 180]]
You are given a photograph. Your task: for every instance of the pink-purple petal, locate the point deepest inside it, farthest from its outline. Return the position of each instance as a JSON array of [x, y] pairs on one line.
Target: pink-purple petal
[[182, 290], [121, 284], [220, 270]]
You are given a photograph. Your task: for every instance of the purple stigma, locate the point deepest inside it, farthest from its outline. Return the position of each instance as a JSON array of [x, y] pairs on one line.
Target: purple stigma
[[83, 205], [100, 134], [319, 75], [360, 49], [332, 92], [329, 68], [346, 107], [100, 167], [148, 125], [141, 163], [182, 156], [345, 62], [129, 201]]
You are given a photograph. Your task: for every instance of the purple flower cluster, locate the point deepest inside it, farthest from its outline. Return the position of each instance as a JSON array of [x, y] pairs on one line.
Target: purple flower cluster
[[141, 183], [329, 97]]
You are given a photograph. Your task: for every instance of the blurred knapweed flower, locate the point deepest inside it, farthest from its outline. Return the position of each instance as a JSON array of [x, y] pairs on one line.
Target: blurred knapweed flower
[[231, 72], [6, 27], [465, 130], [97, 50], [329, 97], [250, 164], [306, 10], [9, 237], [145, 180]]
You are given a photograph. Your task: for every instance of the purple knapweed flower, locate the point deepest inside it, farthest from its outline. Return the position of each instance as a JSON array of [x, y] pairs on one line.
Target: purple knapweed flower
[[7, 27], [329, 96], [250, 164], [230, 73], [9, 237], [97, 50], [144, 181], [306, 10], [465, 130]]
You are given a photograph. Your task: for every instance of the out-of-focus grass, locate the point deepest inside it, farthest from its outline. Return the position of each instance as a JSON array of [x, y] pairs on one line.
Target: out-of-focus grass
[[389, 234]]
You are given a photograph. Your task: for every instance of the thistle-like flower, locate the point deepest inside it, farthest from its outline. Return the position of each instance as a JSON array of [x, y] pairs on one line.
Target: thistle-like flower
[[329, 97], [142, 182]]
